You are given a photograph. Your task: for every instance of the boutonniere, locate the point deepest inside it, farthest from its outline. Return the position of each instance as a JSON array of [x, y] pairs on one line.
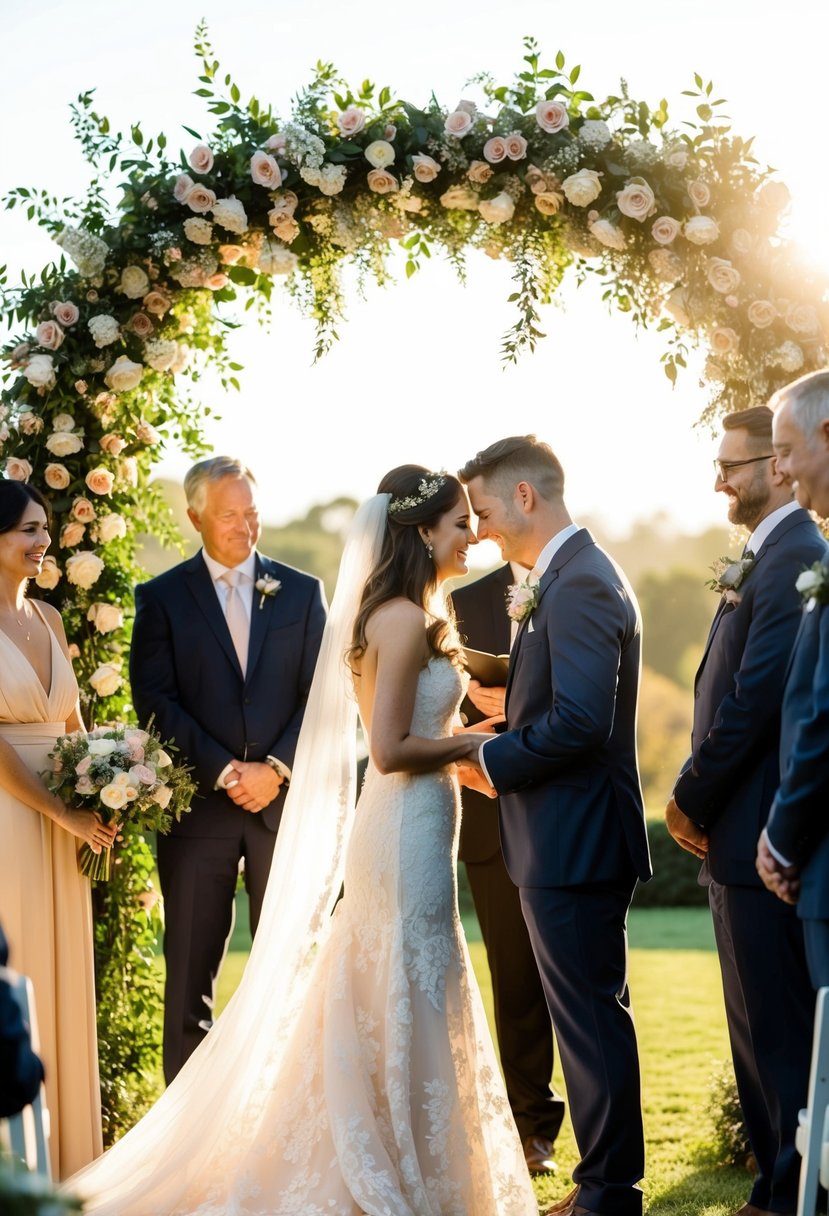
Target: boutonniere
[[267, 586], [522, 599], [729, 574], [813, 585]]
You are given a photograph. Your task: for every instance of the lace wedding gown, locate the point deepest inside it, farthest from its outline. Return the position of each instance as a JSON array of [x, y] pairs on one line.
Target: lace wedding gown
[[386, 1098], [45, 909]]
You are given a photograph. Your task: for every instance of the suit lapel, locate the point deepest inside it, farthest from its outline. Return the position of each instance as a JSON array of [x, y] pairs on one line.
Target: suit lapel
[[260, 615], [204, 593]]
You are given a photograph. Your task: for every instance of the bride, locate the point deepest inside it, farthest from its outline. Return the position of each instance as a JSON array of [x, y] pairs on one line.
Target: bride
[[353, 1070]]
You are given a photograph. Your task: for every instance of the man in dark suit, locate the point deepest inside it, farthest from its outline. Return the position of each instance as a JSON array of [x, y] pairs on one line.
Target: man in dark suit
[[522, 1020], [793, 852], [572, 820], [223, 653], [21, 1072], [723, 794]]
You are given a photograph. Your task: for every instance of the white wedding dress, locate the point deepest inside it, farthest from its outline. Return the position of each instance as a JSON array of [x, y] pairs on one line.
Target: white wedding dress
[[374, 1087]]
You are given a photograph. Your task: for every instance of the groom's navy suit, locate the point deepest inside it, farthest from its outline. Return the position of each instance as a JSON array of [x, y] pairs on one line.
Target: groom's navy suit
[[727, 786], [799, 821], [573, 832], [184, 670]]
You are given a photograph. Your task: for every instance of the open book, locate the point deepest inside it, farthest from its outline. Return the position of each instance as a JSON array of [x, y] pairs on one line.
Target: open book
[[490, 669]]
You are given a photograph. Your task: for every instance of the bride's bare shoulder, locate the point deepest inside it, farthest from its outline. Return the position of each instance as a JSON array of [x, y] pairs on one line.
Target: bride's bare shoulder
[[395, 618]]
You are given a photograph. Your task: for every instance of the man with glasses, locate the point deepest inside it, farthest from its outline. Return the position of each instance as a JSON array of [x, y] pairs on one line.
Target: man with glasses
[[724, 791]]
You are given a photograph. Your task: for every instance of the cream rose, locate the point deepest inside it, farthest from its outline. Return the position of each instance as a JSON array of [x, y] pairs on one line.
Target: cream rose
[[284, 203], [351, 122], [380, 154], [128, 470], [761, 313], [83, 510], [495, 150], [63, 443], [113, 445], [582, 188], [665, 229], [104, 330], [71, 534], [264, 171], [497, 210], [608, 234], [636, 201], [162, 795], [105, 617], [381, 181], [724, 340], [802, 319], [230, 214], [699, 194], [49, 575], [276, 259], [458, 123], [49, 335], [134, 282], [124, 375], [200, 199], [741, 241], [56, 476], [516, 146], [549, 202], [40, 371], [63, 422], [84, 568], [552, 116], [479, 172], [459, 198], [701, 230], [201, 159], [100, 480], [425, 168], [18, 469], [111, 527], [677, 305], [677, 156], [113, 796], [198, 230], [65, 313], [722, 276]]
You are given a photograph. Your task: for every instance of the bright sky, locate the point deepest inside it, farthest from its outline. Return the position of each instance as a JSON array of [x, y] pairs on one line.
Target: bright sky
[[417, 374]]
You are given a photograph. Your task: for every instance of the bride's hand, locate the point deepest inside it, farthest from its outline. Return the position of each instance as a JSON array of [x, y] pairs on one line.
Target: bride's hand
[[485, 727], [471, 777], [88, 827]]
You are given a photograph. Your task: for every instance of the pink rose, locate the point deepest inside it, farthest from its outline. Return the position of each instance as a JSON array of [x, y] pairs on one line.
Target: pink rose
[[724, 340], [276, 143], [699, 193], [722, 276], [458, 123], [49, 575], [18, 469], [426, 168], [265, 171], [84, 785], [200, 199], [381, 181], [141, 324], [56, 476], [184, 184], [761, 313], [636, 201], [479, 172], [83, 510], [100, 480], [516, 146], [65, 313], [142, 773], [351, 121], [49, 335], [495, 150], [215, 282], [552, 116], [83, 766], [665, 229], [201, 159]]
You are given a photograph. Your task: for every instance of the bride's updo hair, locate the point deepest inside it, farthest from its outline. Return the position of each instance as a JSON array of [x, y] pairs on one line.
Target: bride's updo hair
[[419, 498], [15, 497]]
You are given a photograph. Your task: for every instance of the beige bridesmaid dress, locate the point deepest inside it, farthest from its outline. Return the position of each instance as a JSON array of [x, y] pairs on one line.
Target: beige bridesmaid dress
[[46, 912]]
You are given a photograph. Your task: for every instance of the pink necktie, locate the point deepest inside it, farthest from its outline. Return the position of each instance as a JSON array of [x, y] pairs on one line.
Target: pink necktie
[[236, 617]]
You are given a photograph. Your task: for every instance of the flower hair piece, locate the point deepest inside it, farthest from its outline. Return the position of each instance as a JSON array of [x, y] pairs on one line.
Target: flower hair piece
[[427, 489]]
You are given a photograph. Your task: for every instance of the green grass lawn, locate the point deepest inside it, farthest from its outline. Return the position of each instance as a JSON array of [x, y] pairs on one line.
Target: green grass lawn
[[677, 999]]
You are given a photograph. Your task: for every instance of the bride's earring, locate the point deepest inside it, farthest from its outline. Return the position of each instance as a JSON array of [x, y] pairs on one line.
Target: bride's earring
[[430, 549]]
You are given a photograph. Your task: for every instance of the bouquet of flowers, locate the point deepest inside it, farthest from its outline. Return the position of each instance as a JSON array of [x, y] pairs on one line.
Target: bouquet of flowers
[[125, 775]]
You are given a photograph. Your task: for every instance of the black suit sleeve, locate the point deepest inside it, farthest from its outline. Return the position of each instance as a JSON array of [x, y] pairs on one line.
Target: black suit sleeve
[[154, 691], [21, 1072], [284, 747]]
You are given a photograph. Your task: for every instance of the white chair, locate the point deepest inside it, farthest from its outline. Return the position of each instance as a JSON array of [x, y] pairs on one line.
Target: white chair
[[812, 1137], [26, 1136]]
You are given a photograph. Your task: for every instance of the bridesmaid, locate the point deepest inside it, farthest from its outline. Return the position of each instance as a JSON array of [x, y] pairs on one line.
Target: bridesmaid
[[44, 901]]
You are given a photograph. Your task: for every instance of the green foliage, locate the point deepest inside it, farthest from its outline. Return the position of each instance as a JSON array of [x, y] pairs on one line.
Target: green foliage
[[663, 736], [678, 608], [730, 1141], [23, 1193], [674, 883]]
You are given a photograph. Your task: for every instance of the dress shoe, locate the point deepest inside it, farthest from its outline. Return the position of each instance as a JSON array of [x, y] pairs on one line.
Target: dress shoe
[[538, 1154], [751, 1209], [570, 1206]]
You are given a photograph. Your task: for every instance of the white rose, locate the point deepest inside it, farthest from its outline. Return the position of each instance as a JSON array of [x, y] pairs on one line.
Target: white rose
[[701, 230], [49, 334], [699, 193], [40, 371], [101, 747], [113, 796], [162, 760], [459, 198], [198, 230], [265, 171], [677, 305], [63, 443], [84, 568], [18, 469], [160, 354], [761, 313], [230, 214], [162, 795], [63, 422], [134, 282], [425, 167], [636, 201], [351, 121], [552, 116], [722, 276], [497, 210], [724, 340], [608, 234], [56, 476], [124, 375], [582, 188], [105, 617], [381, 182], [104, 330], [65, 313], [201, 159], [808, 582], [380, 154], [802, 319], [49, 575], [458, 123], [111, 527]]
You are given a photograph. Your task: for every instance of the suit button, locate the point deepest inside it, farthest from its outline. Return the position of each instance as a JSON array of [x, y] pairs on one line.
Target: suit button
[[696, 694], [247, 700]]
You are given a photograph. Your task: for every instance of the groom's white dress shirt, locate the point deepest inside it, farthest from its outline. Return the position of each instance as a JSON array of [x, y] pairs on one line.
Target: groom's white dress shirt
[[541, 563]]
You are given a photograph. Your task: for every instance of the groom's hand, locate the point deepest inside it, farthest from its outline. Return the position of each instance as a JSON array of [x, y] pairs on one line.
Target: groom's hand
[[782, 881], [253, 785], [686, 833], [471, 777], [490, 701]]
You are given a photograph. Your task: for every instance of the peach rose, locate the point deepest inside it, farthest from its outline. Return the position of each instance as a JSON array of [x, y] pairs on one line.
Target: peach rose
[[497, 210], [71, 534], [458, 123], [552, 116], [201, 159], [18, 469], [124, 375], [83, 510], [84, 568], [146, 433], [724, 340], [265, 171], [105, 617], [113, 445], [549, 202], [56, 476], [81, 386], [582, 188], [516, 146], [380, 154], [128, 470], [722, 276], [636, 201], [699, 194], [351, 122], [479, 172], [425, 168], [111, 527], [495, 150], [157, 303], [215, 282], [100, 480], [284, 203], [65, 313], [285, 227], [200, 199], [184, 184], [230, 254], [141, 324], [49, 575], [381, 182], [49, 335], [761, 313], [665, 229]]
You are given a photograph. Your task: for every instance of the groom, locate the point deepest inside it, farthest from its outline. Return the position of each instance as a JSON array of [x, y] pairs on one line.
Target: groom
[[572, 820], [223, 653]]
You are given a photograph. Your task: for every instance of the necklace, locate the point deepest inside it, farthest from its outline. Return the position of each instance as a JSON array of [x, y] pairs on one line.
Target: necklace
[[27, 627]]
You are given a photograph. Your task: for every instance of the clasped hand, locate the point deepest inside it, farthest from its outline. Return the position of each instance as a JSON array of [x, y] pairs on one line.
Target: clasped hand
[[782, 881], [470, 774], [253, 785]]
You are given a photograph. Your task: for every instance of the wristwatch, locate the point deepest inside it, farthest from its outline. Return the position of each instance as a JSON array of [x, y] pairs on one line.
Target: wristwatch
[[276, 766]]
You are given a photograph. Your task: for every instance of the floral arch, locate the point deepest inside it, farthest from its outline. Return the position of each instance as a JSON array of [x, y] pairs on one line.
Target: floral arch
[[681, 226]]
